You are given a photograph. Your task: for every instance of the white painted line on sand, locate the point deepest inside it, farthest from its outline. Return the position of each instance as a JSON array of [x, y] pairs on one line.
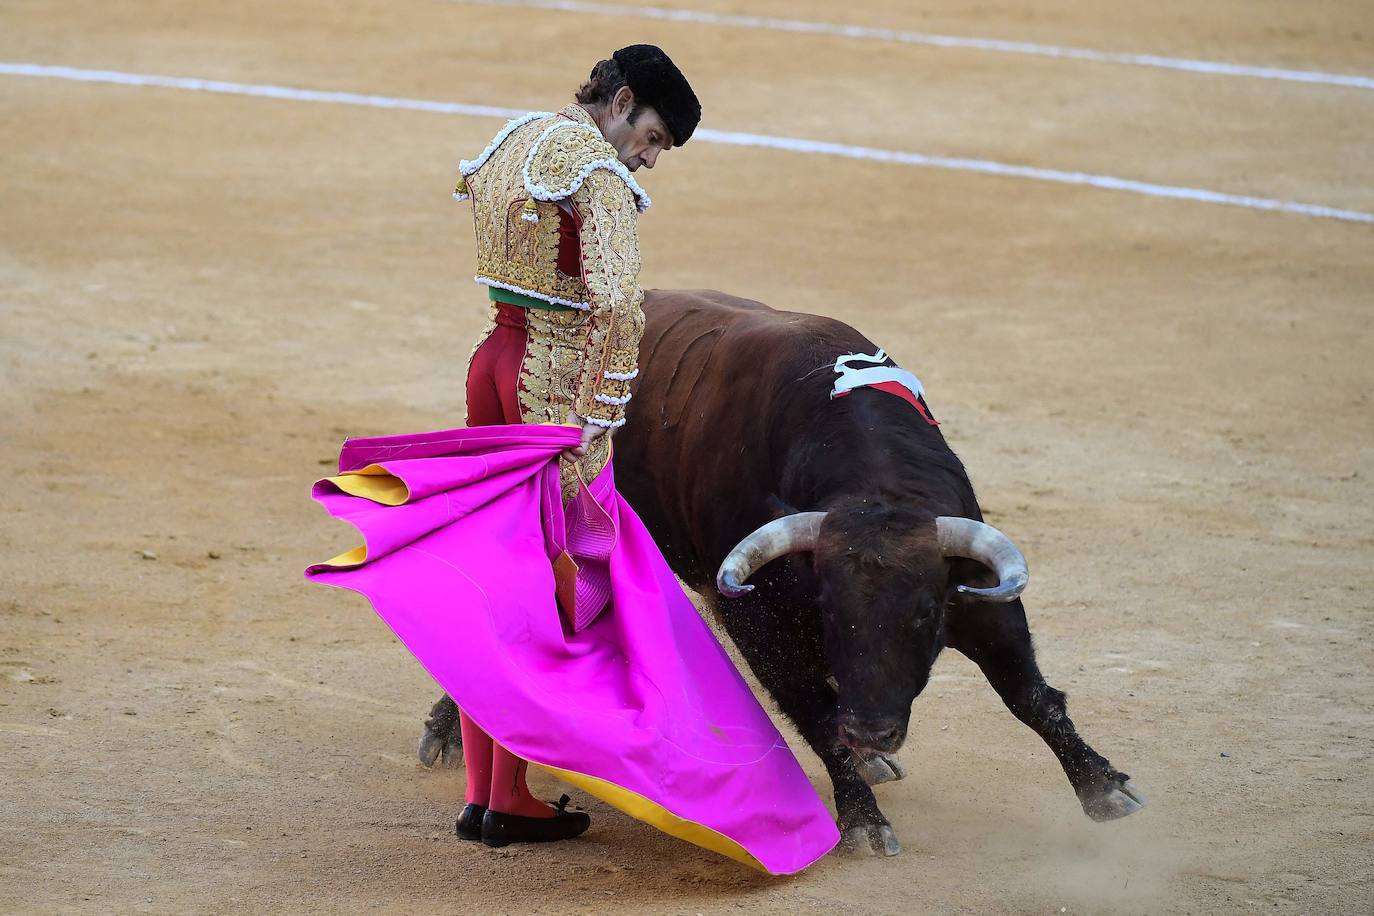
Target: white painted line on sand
[[260, 91], [900, 36], [990, 167], [730, 138]]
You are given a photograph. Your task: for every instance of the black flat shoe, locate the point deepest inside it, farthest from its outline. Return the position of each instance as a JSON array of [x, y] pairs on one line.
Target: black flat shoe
[[499, 829], [469, 826]]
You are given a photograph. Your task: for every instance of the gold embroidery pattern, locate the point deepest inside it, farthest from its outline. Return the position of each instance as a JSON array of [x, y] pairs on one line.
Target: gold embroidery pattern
[[555, 348], [610, 265], [510, 250], [562, 155]]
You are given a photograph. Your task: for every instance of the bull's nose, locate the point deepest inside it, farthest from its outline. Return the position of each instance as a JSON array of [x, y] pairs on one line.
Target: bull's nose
[[877, 736], [887, 738]]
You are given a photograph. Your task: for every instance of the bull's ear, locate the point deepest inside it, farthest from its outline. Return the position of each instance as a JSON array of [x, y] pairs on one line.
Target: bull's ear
[[778, 507]]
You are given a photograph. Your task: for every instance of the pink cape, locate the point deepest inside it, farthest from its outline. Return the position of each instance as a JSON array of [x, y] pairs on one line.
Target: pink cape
[[642, 708]]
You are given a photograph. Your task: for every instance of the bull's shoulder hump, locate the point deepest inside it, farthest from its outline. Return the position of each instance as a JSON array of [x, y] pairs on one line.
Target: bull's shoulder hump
[[708, 299], [750, 323], [805, 328], [752, 312]]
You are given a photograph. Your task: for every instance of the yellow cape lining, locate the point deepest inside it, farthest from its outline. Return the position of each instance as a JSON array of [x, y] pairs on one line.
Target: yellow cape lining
[[655, 815], [375, 483]]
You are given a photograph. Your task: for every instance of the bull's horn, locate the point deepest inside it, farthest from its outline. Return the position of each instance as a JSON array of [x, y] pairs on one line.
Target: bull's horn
[[963, 537], [789, 534]]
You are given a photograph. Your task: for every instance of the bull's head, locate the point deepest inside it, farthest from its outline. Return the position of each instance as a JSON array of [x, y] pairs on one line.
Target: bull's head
[[885, 582]]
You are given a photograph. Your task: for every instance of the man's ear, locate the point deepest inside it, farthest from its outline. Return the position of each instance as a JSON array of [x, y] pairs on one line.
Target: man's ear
[[623, 101]]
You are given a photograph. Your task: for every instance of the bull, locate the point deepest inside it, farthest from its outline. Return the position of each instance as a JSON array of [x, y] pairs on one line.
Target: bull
[[854, 548]]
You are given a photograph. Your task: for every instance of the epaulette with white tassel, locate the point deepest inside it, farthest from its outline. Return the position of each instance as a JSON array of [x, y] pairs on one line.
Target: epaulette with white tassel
[[530, 212], [460, 192]]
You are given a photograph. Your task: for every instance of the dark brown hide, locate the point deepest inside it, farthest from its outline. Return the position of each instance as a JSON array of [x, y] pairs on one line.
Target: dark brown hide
[[729, 389]]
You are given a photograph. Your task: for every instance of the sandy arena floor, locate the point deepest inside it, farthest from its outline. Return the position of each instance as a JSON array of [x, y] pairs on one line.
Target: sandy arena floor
[[1166, 402]]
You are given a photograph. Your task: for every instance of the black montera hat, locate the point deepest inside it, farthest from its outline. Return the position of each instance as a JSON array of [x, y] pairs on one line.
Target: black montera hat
[[655, 80]]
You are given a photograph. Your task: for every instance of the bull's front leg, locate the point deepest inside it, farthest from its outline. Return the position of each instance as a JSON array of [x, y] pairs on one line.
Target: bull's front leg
[[791, 667], [997, 639], [442, 738], [863, 827]]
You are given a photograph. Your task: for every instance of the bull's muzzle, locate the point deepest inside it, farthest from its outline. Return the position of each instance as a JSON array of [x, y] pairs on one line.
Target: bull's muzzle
[[871, 736]]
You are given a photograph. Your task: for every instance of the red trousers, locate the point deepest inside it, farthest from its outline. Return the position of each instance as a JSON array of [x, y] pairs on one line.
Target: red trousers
[[496, 777], [493, 385]]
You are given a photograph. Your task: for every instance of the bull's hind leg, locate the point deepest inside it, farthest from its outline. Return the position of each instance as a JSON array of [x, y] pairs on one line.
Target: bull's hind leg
[[788, 659], [442, 738], [996, 638]]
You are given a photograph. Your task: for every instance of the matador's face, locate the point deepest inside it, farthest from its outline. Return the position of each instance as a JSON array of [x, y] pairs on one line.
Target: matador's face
[[639, 142]]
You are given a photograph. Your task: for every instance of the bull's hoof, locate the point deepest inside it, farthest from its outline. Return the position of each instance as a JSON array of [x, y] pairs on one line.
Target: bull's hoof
[[880, 769], [431, 745], [1117, 800], [869, 840], [447, 750]]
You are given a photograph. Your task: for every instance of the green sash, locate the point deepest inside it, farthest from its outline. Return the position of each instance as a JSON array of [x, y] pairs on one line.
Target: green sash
[[504, 295]]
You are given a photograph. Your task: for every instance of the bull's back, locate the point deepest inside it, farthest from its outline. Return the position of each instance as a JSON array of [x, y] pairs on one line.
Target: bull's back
[[716, 371], [699, 346]]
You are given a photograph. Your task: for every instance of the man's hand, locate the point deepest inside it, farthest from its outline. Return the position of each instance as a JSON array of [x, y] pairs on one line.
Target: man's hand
[[590, 431]]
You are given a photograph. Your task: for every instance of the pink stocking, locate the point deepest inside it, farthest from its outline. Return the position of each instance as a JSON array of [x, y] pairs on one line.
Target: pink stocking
[[509, 794], [477, 748]]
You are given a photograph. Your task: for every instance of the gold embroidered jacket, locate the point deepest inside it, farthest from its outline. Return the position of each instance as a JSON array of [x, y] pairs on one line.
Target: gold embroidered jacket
[[539, 168]]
